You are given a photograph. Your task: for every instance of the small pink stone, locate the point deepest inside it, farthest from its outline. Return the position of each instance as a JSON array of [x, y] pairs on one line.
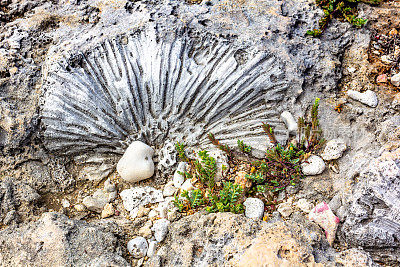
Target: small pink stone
[[326, 234], [323, 208], [381, 78], [337, 220]]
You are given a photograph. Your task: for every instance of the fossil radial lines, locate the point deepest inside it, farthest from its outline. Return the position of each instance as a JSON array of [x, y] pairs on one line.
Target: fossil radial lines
[[153, 87]]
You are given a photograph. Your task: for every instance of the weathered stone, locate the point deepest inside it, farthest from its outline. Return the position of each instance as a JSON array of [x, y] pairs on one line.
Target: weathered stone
[[61, 242], [160, 229], [395, 80], [152, 248], [138, 247], [290, 122], [368, 97], [285, 209], [304, 205], [254, 208], [169, 189], [324, 217], [178, 177], [136, 196], [107, 211], [334, 149], [137, 162]]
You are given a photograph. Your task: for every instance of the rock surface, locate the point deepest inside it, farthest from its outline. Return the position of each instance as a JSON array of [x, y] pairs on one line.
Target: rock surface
[[324, 217], [55, 240], [138, 247], [368, 97], [140, 196], [160, 229], [137, 162], [334, 149], [373, 220]]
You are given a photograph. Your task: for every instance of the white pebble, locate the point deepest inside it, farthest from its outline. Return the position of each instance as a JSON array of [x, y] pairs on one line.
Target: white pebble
[[160, 229], [65, 203], [153, 214], [289, 120], [395, 79], [334, 149], [314, 165], [152, 248], [304, 205], [169, 190], [187, 185], [138, 247], [137, 162], [368, 98], [136, 196], [254, 208], [179, 178]]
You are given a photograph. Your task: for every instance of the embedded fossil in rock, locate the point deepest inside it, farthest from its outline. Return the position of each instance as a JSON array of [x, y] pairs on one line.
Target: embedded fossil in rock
[[156, 87]]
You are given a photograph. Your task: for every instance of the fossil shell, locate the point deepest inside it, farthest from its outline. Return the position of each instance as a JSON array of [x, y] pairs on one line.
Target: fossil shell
[[157, 87]]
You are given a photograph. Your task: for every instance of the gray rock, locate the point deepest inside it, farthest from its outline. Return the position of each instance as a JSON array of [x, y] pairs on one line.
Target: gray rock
[[152, 248], [136, 196], [160, 229], [314, 165], [373, 220], [138, 247], [335, 203], [285, 209], [56, 240], [254, 208], [96, 202]]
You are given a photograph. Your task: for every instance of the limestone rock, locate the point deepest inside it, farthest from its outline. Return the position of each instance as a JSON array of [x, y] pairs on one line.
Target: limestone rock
[[355, 257], [138, 247], [99, 199], [169, 189], [152, 248], [254, 208], [136, 196], [187, 185], [324, 217], [368, 97], [373, 220], [160, 229], [137, 162], [334, 149], [56, 240], [108, 211], [314, 165], [145, 231]]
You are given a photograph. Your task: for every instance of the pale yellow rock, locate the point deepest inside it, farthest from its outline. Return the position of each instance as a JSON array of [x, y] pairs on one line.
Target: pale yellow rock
[[108, 211]]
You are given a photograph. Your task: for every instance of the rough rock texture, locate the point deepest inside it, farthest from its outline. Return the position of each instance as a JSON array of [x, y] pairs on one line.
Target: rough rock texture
[[373, 220], [324, 217], [139, 196], [221, 239], [55, 240]]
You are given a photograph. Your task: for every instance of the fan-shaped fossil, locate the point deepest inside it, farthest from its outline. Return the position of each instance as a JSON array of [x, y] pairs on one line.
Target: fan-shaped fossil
[[154, 88]]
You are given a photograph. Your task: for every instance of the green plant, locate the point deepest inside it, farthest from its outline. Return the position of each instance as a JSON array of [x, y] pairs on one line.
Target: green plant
[[206, 169], [180, 148], [310, 132], [342, 9], [243, 147], [227, 199], [192, 199]]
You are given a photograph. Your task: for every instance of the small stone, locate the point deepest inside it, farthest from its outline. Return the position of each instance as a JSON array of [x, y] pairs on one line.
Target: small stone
[[341, 213], [163, 207], [153, 214], [291, 123], [335, 203], [108, 211], [80, 207], [136, 196], [304, 205], [109, 187], [142, 211], [314, 165], [95, 203], [138, 247], [385, 59], [368, 98], [169, 190], [254, 208], [395, 79], [221, 160], [351, 69], [65, 203], [187, 185], [334, 149], [285, 209], [179, 178], [145, 231], [241, 180], [393, 32], [324, 217], [173, 215], [152, 248], [382, 78], [137, 162], [160, 229]]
